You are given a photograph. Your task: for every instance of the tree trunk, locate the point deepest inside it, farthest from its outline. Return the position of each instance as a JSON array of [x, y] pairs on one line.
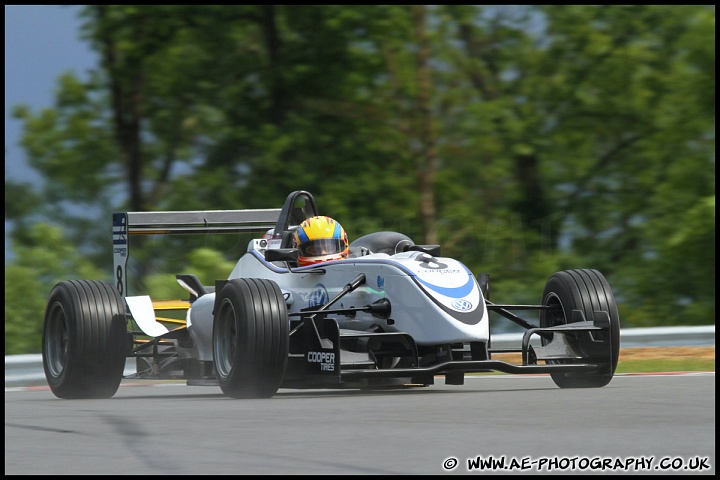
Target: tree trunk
[[428, 154]]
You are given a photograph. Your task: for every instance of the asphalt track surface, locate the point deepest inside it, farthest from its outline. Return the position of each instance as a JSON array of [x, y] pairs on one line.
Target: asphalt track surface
[[638, 424]]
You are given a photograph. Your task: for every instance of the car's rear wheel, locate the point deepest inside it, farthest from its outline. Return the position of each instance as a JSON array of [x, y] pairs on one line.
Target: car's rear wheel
[[588, 291], [84, 339], [250, 338]]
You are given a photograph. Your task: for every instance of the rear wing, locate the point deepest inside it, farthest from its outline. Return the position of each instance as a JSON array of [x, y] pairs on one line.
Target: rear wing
[[187, 222]]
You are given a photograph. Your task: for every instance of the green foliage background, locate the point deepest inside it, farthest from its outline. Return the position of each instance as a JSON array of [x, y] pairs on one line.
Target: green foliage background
[[523, 139]]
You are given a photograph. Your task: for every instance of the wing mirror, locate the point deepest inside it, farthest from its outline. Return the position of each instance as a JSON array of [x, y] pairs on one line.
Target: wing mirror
[[282, 254]]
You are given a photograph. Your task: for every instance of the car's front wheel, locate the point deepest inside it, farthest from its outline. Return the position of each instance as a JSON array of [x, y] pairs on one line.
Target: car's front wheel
[[588, 291], [84, 339], [250, 338]]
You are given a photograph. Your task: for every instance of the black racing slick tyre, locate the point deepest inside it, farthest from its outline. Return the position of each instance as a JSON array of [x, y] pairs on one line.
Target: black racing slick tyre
[[588, 291], [84, 339], [250, 338]]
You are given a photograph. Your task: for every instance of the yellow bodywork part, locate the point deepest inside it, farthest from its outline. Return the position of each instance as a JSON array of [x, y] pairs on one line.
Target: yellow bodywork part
[[170, 305]]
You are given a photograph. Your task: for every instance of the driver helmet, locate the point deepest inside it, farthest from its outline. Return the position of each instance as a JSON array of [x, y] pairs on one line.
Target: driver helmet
[[320, 239]]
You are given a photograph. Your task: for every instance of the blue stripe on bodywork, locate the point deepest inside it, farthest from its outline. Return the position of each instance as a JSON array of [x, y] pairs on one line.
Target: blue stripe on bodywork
[[455, 292]]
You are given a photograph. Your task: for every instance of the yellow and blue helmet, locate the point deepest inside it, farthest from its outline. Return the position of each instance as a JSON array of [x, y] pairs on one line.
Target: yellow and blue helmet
[[320, 239]]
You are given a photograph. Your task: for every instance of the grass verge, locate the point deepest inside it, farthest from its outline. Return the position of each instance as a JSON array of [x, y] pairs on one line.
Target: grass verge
[[666, 359], [666, 365]]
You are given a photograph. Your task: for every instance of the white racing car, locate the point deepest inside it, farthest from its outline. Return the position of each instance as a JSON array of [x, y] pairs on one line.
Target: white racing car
[[391, 314]]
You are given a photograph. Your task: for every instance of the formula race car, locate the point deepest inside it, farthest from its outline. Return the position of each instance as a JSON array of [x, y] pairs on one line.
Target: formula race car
[[392, 314]]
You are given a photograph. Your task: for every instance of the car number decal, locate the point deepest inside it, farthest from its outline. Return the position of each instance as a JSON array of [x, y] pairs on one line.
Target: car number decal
[[120, 250]]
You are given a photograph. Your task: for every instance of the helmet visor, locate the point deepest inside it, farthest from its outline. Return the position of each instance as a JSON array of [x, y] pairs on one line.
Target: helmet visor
[[323, 246]]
